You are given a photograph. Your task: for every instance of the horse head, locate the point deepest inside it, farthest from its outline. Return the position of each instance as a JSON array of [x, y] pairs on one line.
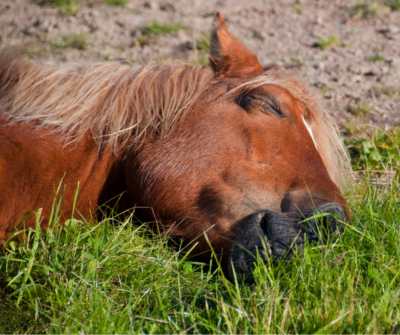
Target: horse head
[[252, 160]]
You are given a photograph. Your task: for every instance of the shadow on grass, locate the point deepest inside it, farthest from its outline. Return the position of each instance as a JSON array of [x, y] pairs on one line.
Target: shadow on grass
[[19, 320]]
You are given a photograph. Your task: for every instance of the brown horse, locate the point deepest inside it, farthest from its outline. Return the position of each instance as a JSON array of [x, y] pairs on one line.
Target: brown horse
[[232, 151]]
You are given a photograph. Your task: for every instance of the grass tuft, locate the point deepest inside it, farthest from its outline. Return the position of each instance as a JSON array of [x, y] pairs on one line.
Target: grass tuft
[[378, 151], [328, 42], [376, 58], [393, 4], [367, 10], [75, 41], [117, 2], [324, 89], [105, 55], [156, 28], [391, 92], [298, 7], [360, 109], [203, 43], [67, 7]]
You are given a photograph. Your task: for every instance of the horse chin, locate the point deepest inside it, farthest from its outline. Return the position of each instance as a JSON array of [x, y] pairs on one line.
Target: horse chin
[[269, 235]]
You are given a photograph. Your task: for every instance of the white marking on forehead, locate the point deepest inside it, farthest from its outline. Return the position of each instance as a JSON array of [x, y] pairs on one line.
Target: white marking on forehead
[[310, 132]]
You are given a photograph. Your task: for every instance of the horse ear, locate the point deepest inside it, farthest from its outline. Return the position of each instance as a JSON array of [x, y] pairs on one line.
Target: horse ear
[[229, 57]]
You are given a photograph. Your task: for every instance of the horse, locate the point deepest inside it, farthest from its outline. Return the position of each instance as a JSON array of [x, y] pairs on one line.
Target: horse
[[230, 155]]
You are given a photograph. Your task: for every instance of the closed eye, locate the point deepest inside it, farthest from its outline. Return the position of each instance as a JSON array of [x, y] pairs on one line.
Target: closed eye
[[263, 103]]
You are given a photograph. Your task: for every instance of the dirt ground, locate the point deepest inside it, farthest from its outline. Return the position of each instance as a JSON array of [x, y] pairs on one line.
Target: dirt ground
[[348, 50]]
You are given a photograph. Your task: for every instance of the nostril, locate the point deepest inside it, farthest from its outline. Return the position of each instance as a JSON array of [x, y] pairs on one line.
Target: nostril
[[334, 209], [333, 212], [325, 218]]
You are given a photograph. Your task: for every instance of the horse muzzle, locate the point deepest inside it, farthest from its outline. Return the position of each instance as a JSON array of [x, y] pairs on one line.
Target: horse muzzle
[[268, 235]]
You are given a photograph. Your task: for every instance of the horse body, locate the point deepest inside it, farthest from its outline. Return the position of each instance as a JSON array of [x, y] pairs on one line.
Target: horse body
[[233, 153]]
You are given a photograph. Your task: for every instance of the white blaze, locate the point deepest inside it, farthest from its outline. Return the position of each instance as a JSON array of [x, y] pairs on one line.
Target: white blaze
[[310, 132]]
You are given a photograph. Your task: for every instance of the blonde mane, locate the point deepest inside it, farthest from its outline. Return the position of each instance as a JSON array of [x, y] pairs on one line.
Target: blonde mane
[[120, 103], [326, 133], [117, 102]]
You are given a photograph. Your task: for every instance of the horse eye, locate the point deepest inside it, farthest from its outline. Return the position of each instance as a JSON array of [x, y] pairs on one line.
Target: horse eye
[[265, 104]]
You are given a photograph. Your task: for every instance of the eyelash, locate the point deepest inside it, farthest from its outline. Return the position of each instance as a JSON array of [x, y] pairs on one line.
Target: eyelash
[[266, 106]]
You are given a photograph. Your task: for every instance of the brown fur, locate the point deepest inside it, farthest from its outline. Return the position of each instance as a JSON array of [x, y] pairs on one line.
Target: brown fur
[[120, 103], [32, 165], [332, 150]]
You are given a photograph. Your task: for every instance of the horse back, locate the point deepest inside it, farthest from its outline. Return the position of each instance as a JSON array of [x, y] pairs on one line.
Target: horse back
[[35, 163]]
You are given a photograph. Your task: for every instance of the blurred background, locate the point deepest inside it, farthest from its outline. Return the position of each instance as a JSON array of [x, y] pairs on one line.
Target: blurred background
[[348, 51]]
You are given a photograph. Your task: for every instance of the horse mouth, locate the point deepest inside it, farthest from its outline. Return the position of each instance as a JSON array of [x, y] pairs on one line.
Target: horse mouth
[[269, 235]]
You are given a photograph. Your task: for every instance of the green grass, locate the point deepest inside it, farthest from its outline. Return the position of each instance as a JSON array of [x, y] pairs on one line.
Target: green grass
[[298, 7], [75, 41], [105, 55], [112, 277], [67, 7], [367, 10], [393, 4], [293, 60], [324, 89], [376, 58], [360, 109], [156, 28], [391, 92], [328, 42], [199, 59], [117, 276], [203, 44], [380, 151], [117, 2]]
